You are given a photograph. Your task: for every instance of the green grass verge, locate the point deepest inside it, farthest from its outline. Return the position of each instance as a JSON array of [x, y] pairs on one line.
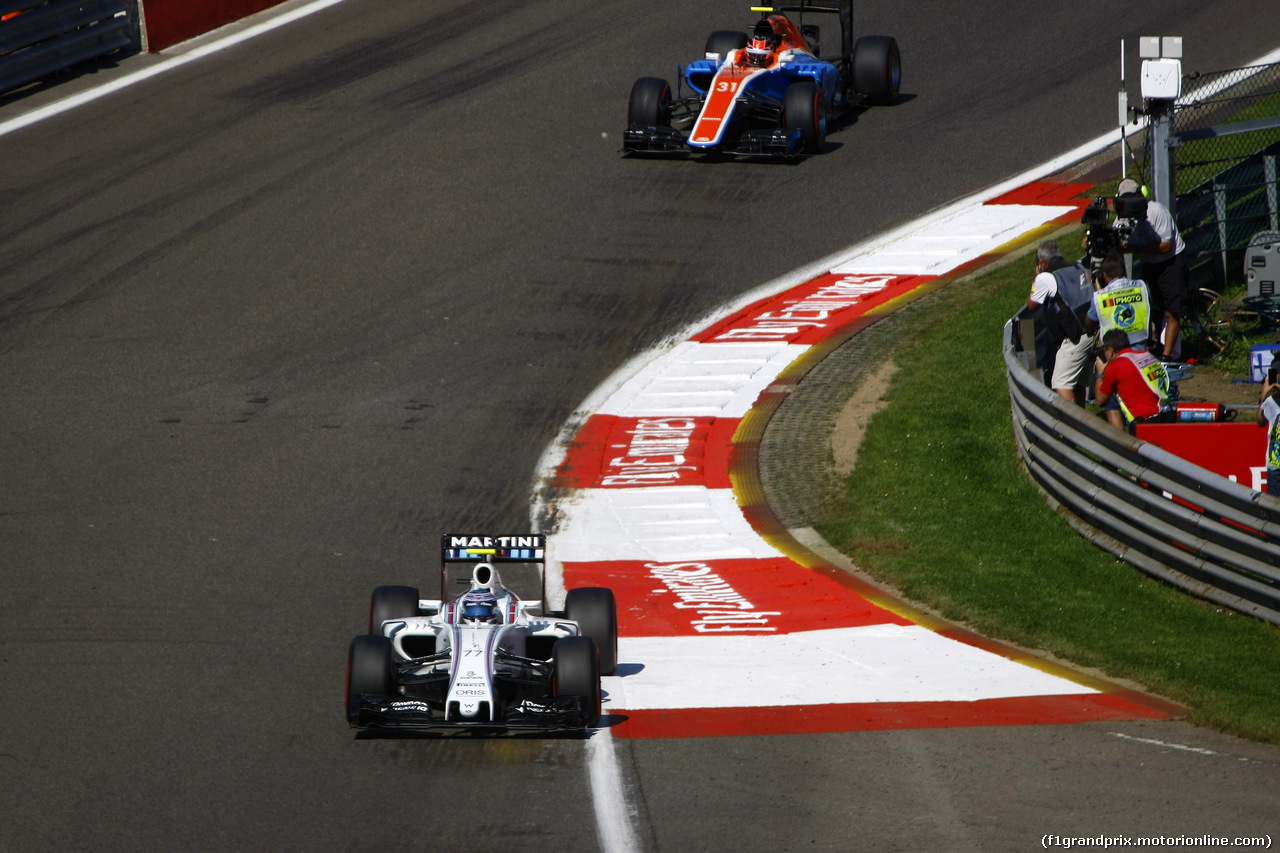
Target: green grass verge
[[940, 506]]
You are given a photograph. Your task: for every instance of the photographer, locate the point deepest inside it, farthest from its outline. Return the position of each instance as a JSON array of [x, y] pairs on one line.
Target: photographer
[[1121, 304], [1137, 379], [1158, 247], [1062, 291]]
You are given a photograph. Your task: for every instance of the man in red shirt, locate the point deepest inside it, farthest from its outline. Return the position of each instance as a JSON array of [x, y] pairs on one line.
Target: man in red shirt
[[1137, 378]]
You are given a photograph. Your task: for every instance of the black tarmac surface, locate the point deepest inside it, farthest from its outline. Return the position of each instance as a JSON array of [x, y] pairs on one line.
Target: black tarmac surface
[[271, 323]]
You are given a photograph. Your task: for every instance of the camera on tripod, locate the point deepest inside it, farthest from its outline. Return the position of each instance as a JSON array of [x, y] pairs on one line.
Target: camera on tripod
[[1101, 238]]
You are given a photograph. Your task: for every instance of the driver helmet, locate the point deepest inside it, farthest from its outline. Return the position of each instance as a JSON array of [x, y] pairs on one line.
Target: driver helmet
[[480, 606], [762, 44]]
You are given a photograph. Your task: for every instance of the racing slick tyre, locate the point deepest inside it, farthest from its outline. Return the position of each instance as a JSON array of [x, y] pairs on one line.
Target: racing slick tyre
[[877, 69], [803, 109], [391, 602], [369, 663], [650, 104], [721, 42], [596, 612], [576, 672]]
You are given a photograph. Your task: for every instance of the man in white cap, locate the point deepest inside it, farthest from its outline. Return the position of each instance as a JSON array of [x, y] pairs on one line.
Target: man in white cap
[[1158, 247]]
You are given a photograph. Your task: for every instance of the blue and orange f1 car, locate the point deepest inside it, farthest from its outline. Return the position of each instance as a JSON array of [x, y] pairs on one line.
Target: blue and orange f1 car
[[765, 92]]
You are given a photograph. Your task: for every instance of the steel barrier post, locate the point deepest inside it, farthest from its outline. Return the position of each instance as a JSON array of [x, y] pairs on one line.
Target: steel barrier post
[[1162, 145], [1269, 175], [1220, 212]]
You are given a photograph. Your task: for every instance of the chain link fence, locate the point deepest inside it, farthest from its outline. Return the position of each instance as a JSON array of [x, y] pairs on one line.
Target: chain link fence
[[1227, 128]]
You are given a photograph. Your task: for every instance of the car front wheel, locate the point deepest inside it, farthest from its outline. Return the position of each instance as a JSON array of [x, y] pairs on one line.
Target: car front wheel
[[803, 110], [369, 663], [650, 104], [576, 672]]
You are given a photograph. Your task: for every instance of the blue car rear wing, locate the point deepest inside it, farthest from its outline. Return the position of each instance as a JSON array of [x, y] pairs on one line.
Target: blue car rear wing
[[521, 548], [481, 548]]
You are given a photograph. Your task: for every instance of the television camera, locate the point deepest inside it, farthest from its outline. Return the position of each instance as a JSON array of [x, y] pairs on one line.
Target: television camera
[[1101, 238]]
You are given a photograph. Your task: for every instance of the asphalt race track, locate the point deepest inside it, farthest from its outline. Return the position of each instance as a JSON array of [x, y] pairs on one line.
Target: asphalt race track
[[271, 323]]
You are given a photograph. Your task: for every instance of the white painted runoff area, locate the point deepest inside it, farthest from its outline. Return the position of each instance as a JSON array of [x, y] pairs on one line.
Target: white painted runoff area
[[662, 524], [875, 663], [694, 379], [964, 236]]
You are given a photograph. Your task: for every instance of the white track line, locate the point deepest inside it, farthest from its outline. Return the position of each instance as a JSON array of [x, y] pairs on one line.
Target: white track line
[[1165, 745], [613, 818], [89, 95]]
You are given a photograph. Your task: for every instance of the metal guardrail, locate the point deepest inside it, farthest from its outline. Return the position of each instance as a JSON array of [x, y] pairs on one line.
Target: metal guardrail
[[41, 37], [1170, 518]]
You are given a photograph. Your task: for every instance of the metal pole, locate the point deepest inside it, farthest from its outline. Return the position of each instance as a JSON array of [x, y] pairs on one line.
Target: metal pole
[[1162, 154], [1220, 211], [1124, 114], [1269, 171]]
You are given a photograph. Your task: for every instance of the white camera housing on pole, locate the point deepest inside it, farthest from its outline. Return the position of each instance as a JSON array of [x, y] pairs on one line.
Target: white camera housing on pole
[[1162, 78], [1161, 86]]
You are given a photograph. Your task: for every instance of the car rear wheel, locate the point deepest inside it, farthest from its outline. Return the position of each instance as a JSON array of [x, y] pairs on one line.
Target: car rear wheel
[[596, 612], [877, 69], [369, 663], [803, 110], [391, 602], [576, 672], [723, 42], [812, 37], [650, 104]]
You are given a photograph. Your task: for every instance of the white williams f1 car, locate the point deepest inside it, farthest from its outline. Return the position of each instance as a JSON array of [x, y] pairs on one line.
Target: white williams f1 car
[[485, 660]]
